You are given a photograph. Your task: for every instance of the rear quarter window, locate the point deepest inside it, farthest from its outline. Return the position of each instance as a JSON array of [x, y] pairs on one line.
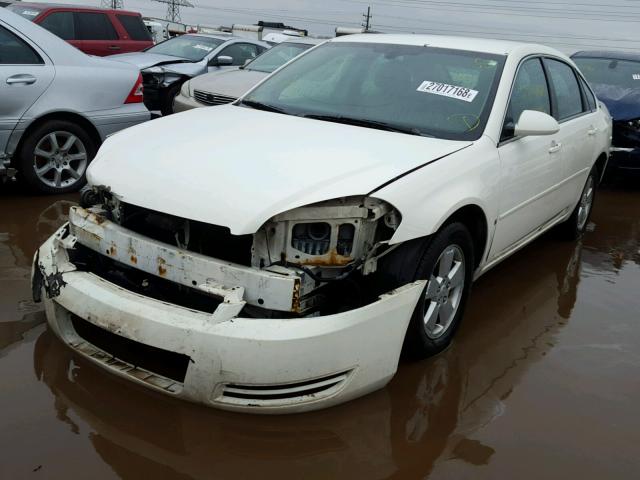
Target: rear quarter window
[[15, 51], [135, 27]]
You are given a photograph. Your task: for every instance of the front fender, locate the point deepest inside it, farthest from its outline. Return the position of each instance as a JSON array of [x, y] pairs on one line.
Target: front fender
[[428, 197]]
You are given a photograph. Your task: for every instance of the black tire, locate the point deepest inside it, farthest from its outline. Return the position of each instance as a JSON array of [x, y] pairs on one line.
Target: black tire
[[166, 106], [575, 226], [29, 162], [417, 260]]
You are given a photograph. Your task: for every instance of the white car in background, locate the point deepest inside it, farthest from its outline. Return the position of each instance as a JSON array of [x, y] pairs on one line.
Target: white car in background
[[57, 105], [285, 268], [219, 88]]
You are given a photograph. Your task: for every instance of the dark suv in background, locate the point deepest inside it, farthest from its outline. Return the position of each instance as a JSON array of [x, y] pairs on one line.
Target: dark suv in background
[[95, 31]]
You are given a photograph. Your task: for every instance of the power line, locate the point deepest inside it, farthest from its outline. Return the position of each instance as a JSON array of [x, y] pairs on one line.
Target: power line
[[173, 8]]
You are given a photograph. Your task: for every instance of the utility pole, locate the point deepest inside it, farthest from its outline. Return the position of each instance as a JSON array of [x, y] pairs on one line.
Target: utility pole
[[112, 4], [173, 9], [367, 19]]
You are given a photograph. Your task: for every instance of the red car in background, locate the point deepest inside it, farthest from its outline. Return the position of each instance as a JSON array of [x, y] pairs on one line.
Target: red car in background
[[95, 31]]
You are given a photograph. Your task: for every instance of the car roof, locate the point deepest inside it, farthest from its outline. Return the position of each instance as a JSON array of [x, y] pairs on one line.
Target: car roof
[[304, 40], [610, 55], [485, 45], [50, 6]]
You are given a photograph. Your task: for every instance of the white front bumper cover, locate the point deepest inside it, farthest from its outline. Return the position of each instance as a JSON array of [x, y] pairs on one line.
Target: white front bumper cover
[[242, 364]]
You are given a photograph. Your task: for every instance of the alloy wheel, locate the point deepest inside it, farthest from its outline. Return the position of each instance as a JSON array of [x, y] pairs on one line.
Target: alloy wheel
[[60, 159], [586, 202], [443, 294]]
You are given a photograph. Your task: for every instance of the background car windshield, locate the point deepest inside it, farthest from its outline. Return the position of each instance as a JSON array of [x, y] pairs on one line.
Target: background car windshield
[[277, 56], [192, 48], [605, 71], [435, 92]]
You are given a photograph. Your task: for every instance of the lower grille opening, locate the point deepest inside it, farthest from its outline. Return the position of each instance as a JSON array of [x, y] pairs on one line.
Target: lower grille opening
[[156, 360], [265, 393]]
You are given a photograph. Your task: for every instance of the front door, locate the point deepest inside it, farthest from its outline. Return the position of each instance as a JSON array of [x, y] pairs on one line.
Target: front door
[[531, 167]]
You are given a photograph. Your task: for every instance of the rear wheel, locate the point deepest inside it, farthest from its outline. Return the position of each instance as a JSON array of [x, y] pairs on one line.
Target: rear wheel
[[55, 156], [577, 223]]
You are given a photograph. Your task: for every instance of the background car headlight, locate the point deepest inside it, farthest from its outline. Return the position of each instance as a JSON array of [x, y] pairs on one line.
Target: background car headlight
[[185, 90]]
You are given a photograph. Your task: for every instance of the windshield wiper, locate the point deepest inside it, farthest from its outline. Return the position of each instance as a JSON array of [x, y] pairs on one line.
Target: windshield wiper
[[262, 106], [363, 122]]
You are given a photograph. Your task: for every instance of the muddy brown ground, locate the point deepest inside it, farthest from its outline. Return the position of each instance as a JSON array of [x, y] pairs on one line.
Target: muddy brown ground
[[543, 381]]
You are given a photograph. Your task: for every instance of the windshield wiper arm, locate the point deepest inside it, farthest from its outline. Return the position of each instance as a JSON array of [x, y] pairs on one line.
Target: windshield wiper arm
[[363, 122], [261, 106]]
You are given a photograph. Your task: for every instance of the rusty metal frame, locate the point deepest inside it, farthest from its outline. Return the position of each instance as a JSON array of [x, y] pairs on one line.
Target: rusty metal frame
[[280, 289]]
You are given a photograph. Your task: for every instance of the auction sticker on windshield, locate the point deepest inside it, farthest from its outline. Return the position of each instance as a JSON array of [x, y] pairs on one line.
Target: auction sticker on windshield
[[446, 90], [203, 47]]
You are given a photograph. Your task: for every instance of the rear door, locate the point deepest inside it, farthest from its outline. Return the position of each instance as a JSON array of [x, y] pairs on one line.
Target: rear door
[[134, 33], [96, 33], [531, 167], [577, 128], [25, 74]]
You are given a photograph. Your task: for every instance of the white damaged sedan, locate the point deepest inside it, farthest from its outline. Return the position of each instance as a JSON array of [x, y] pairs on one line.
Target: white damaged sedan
[[279, 254]]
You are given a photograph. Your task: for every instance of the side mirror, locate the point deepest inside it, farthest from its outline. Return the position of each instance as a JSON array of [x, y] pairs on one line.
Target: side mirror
[[222, 61], [533, 124]]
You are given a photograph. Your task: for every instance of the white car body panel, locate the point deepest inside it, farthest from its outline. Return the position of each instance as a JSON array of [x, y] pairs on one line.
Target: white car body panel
[[374, 157], [209, 172]]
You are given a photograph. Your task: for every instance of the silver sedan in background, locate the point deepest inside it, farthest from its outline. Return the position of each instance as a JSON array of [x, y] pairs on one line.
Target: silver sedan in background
[[58, 105], [222, 87]]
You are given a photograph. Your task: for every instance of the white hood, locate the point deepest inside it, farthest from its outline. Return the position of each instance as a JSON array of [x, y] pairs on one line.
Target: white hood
[[237, 167]]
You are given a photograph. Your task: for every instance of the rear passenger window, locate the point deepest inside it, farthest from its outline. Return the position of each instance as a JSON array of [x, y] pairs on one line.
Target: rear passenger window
[[565, 85], [60, 24], [14, 51], [94, 26], [134, 27], [591, 100], [530, 92]]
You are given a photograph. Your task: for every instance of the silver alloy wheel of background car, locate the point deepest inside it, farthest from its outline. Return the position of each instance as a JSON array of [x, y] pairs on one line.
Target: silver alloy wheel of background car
[[586, 202], [60, 159], [443, 294]]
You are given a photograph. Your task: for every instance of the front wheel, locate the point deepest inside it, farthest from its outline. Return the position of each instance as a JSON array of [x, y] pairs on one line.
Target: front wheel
[[446, 261]]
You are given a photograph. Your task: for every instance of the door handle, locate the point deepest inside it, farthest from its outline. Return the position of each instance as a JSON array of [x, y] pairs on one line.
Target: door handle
[[592, 131], [114, 47], [21, 78], [555, 147]]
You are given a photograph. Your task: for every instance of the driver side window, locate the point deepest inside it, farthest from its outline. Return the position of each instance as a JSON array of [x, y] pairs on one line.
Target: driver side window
[[530, 92]]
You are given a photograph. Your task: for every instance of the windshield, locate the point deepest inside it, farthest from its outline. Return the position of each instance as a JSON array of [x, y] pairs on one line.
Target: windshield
[[605, 71], [29, 12], [277, 56], [428, 91], [193, 48]]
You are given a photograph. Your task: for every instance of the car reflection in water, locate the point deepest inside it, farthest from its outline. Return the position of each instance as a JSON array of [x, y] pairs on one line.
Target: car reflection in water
[[424, 419]]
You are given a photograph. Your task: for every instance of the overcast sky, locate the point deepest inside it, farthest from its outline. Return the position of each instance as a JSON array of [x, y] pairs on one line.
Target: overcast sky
[[567, 25]]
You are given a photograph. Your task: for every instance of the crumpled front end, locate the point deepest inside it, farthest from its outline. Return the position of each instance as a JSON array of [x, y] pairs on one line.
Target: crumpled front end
[[215, 331]]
